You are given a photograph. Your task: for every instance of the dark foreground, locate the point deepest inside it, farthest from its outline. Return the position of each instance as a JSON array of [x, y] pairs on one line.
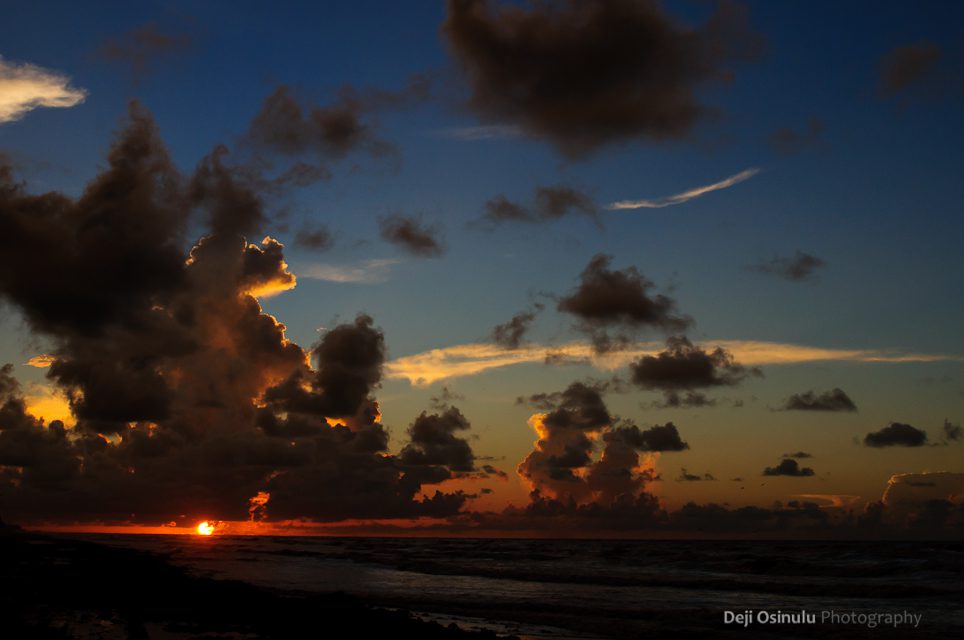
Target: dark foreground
[[59, 588]]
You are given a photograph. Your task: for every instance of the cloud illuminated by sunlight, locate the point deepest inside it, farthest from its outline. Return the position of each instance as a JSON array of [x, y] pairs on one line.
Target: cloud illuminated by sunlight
[[367, 272], [470, 359], [685, 196], [47, 403], [25, 87]]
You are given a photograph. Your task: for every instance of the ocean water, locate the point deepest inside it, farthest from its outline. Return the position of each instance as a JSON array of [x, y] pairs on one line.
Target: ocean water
[[582, 589]]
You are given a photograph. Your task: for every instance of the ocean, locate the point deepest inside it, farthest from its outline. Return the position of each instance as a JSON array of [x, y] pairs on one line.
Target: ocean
[[590, 589]]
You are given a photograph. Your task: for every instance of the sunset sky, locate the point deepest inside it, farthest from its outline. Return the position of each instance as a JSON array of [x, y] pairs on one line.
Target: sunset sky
[[572, 265]]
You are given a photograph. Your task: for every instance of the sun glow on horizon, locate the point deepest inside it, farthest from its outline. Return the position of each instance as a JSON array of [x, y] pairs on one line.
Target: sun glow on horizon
[[205, 528]]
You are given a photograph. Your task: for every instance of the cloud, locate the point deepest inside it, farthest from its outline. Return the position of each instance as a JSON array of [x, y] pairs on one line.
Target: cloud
[[551, 203], [685, 476], [561, 466], [470, 359], [316, 237], [896, 434], [800, 455], [141, 47], [908, 67], [25, 87], [510, 334], [584, 75], [685, 196], [833, 400], [611, 306], [798, 268], [910, 491], [689, 400], [788, 467], [433, 441], [42, 361], [371, 271], [411, 235], [684, 366], [786, 141], [657, 438], [190, 401]]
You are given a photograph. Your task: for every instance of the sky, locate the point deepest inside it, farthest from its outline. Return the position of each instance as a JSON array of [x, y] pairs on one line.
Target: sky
[[483, 267]]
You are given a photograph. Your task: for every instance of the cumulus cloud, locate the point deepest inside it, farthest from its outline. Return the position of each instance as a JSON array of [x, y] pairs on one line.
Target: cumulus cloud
[[25, 87], [411, 235], [800, 267], [611, 306], [685, 196], [953, 432], [833, 400], [788, 467], [896, 434], [190, 401], [550, 204], [584, 75], [683, 366]]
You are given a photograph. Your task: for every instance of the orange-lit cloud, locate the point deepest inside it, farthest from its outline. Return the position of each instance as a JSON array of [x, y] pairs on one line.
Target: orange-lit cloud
[[471, 359], [25, 87], [48, 403], [41, 361]]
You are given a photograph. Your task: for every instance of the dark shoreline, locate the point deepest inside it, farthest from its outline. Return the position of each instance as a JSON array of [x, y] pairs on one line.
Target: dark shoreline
[[61, 588]]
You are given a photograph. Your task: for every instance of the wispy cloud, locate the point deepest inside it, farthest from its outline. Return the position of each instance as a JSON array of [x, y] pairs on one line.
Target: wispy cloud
[[484, 132], [471, 359], [366, 272], [685, 196], [25, 87]]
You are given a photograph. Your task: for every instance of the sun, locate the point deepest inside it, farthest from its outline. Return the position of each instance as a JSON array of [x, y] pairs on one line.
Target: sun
[[205, 528]]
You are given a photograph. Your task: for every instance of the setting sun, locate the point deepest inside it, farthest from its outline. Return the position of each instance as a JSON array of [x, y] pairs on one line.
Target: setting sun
[[205, 528]]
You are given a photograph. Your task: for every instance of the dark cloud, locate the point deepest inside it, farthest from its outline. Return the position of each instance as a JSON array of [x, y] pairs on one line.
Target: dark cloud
[[908, 67], [953, 432], [896, 434], [190, 401], [787, 141], [689, 400], [788, 467], [685, 476], [510, 334], [316, 237], [433, 441], [657, 438], [583, 75], [444, 399], [800, 455], [551, 203], [684, 366], [141, 47], [833, 400], [411, 235], [798, 268], [612, 305]]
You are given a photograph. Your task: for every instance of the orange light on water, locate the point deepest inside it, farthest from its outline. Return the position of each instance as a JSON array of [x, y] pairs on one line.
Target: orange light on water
[[205, 528]]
